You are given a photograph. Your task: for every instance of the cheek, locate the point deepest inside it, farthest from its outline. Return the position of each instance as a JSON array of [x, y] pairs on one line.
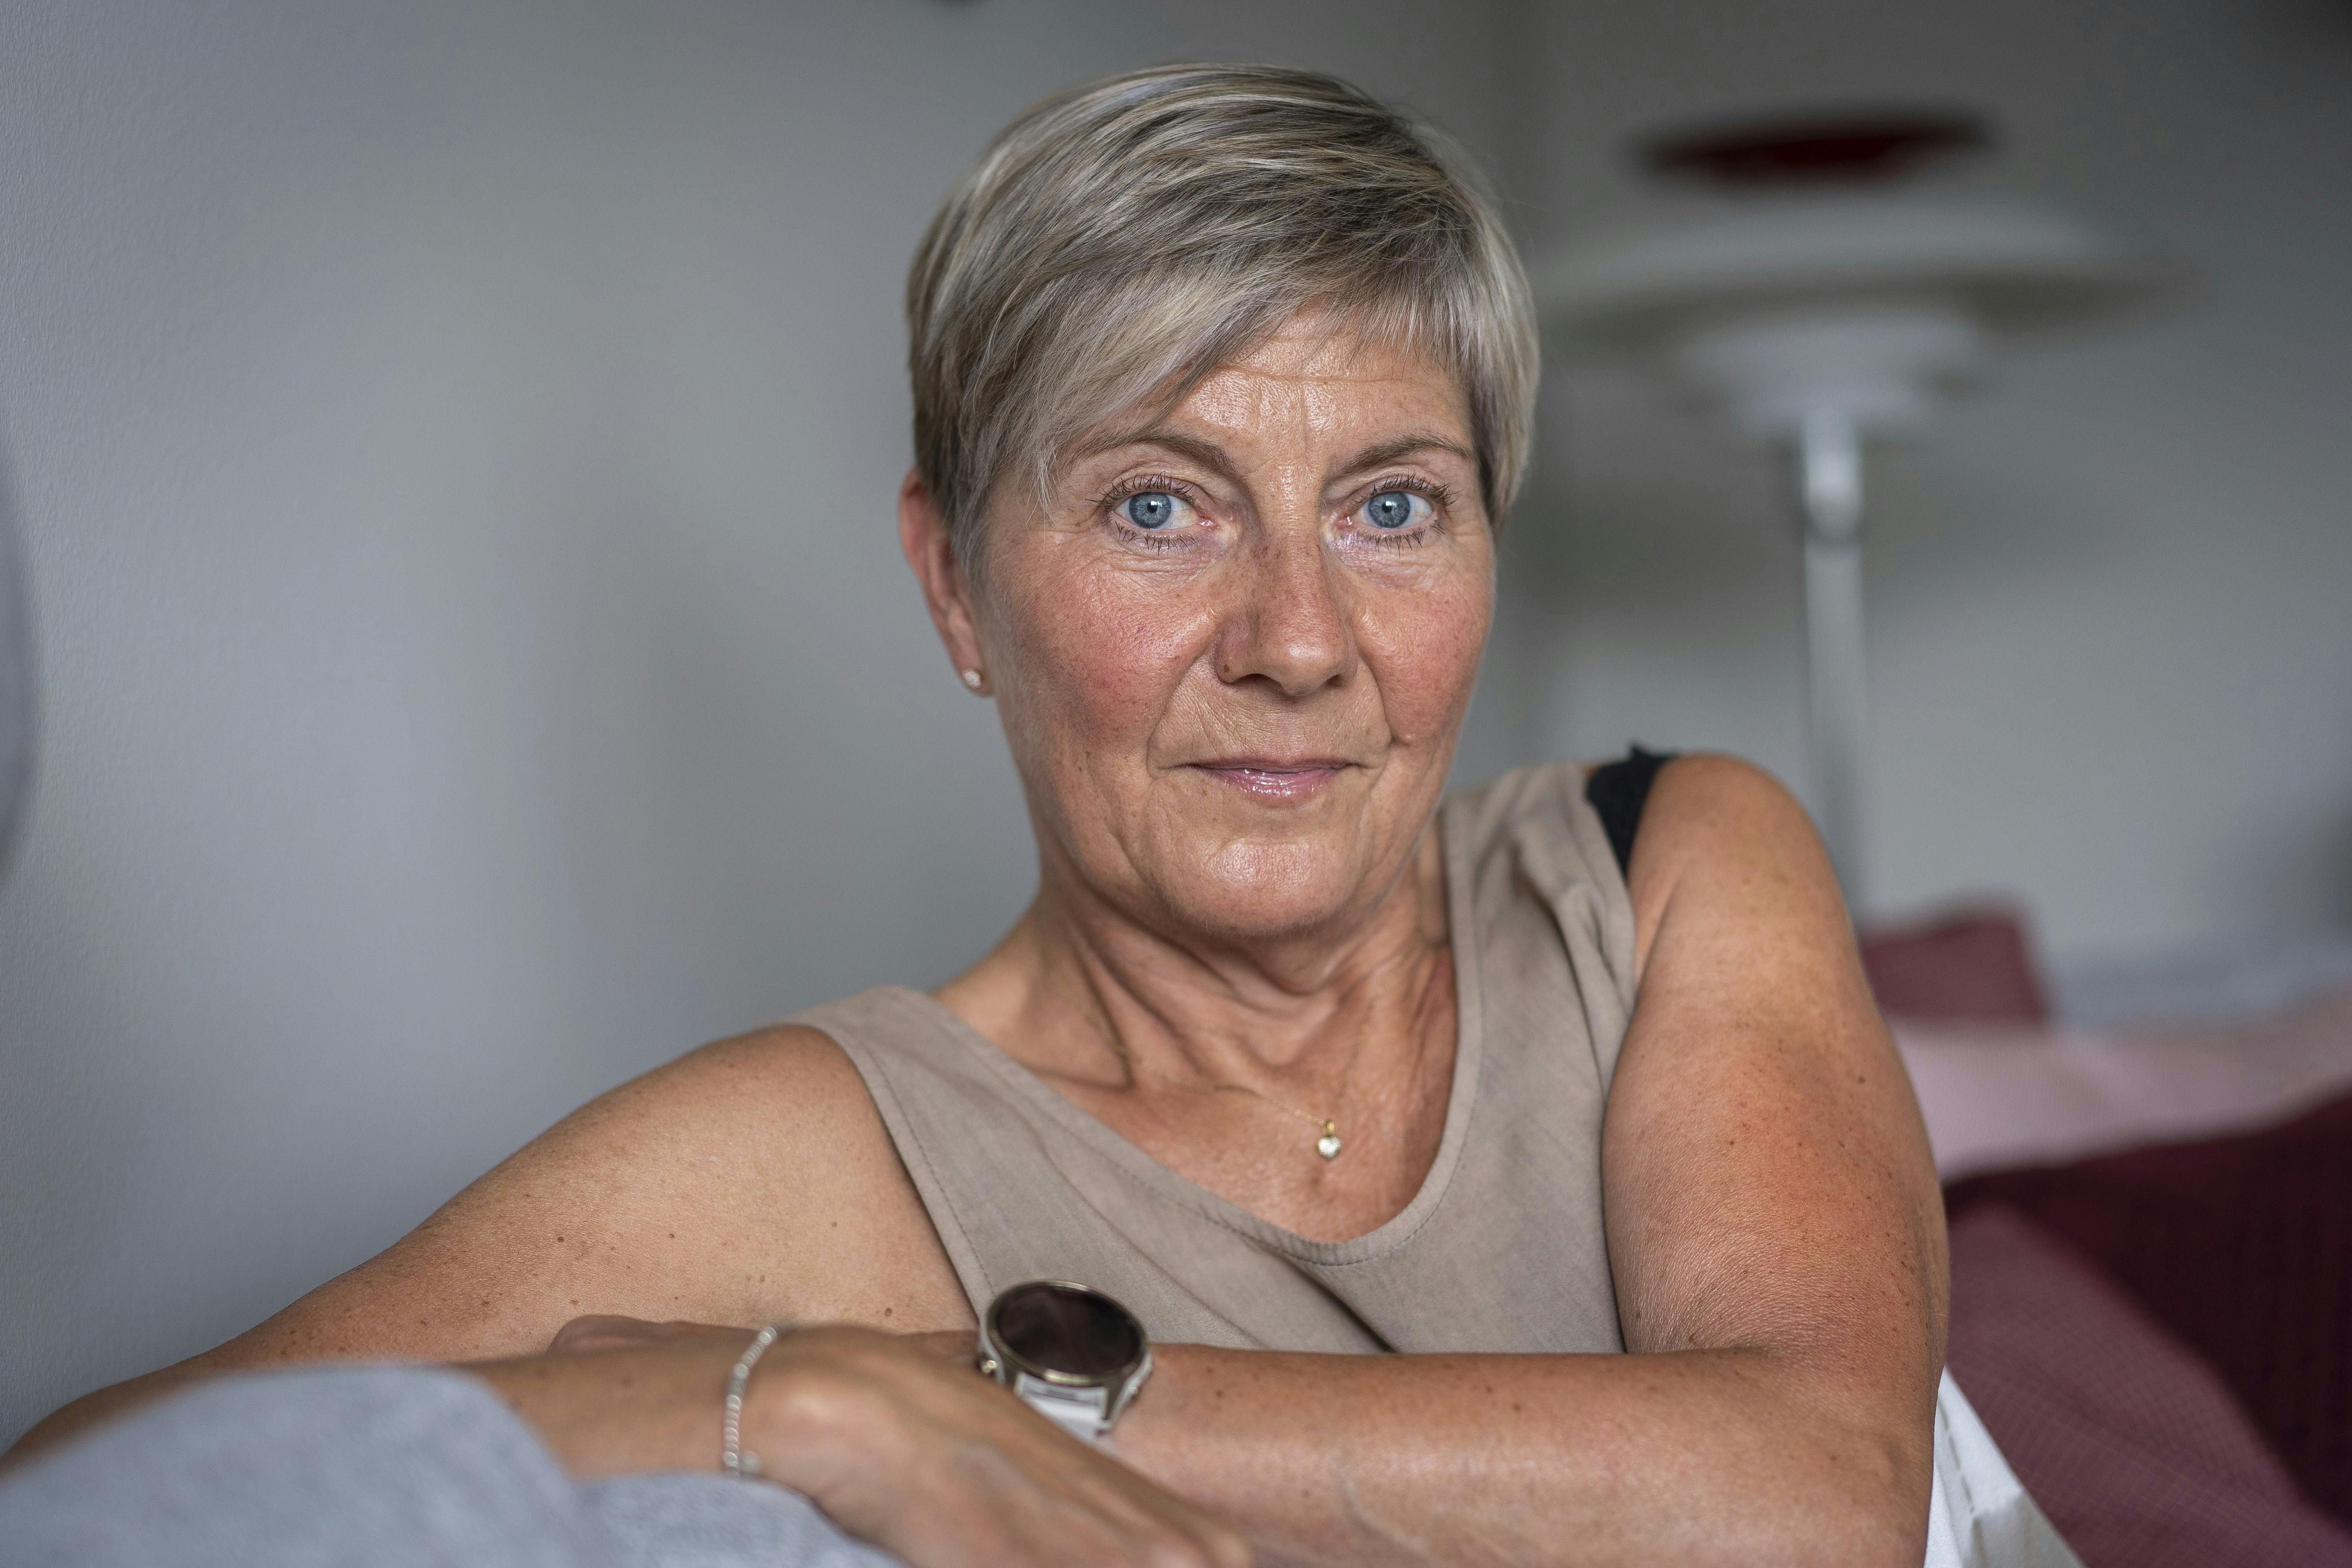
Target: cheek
[[1424, 647], [1096, 661]]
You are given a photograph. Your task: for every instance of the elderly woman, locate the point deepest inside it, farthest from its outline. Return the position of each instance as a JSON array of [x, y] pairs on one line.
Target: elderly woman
[[1221, 387]]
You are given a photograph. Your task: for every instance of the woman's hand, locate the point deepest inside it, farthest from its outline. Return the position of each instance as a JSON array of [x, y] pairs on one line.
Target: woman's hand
[[901, 1443], [609, 1331]]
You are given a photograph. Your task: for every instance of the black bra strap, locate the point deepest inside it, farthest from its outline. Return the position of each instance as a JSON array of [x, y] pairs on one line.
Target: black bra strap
[[1619, 791]]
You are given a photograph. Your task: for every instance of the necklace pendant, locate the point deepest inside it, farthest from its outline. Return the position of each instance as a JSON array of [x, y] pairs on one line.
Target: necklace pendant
[[1329, 1145]]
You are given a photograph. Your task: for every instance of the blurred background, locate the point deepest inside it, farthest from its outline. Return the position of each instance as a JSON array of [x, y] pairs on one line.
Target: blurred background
[[453, 449]]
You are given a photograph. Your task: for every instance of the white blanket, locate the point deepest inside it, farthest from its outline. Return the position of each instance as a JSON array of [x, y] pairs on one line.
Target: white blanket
[[1979, 1515]]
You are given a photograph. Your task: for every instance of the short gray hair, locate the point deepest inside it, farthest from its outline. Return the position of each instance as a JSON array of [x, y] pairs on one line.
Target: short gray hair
[[1119, 243]]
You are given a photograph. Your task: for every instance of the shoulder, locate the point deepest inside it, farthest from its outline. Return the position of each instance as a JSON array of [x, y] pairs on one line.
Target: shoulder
[[1718, 833], [769, 1148], [1708, 798], [783, 1088], [748, 1180], [762, 1112]]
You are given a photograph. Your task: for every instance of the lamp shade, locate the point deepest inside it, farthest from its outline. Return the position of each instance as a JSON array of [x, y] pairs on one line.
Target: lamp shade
[[1872, 303], [2009, 266]]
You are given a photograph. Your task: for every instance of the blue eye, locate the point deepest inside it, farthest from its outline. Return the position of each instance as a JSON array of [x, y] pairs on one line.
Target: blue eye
[[1152, 509], [1390, 509]]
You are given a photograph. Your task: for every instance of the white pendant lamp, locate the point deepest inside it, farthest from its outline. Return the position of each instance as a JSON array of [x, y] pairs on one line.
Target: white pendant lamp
[[1821, 307]]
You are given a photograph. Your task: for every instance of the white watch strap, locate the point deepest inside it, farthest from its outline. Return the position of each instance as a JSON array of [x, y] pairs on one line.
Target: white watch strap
[[1077, 1411]]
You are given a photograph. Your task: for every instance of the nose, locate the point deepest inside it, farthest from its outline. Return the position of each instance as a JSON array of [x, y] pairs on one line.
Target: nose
[[1289, 628]]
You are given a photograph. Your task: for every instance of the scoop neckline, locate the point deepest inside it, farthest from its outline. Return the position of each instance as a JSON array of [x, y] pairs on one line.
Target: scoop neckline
[[1164, 1182]]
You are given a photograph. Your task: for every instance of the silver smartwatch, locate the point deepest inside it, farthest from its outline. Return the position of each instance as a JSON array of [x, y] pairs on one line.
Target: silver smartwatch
[[1070, 1353]]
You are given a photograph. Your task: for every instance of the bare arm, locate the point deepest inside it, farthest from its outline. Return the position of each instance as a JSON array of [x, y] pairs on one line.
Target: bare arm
[[1777, 1248], [747, 1182]]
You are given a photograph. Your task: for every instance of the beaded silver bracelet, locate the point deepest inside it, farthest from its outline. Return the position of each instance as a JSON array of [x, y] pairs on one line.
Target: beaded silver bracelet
[[731, 1456]]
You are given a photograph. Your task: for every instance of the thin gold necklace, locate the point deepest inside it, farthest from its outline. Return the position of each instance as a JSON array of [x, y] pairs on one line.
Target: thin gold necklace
[[1327, 1143]]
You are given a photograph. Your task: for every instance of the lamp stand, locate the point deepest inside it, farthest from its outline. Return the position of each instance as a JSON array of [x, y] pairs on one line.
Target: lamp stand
[[1829, 489]]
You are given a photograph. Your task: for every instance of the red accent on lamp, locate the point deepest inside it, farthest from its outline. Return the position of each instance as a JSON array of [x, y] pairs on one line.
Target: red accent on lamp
[[1848, 149]]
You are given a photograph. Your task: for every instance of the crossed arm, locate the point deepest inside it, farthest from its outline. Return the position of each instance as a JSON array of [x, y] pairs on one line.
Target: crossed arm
[[1775, 1238], [1776, 1241]]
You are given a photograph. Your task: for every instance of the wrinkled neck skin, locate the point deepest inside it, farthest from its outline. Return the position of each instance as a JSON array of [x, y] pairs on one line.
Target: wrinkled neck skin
[[1080, 986], [1232, 648]]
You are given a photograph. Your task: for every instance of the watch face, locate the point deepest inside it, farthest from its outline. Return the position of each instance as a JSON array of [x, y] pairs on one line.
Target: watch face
[[1065, 1330]]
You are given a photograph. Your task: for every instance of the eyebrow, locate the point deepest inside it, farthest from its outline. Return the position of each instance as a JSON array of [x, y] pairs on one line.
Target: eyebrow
[[1208, 454], [1387, 452]]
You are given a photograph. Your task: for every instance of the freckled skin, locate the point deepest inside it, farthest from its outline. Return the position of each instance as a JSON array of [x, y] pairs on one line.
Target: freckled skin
[[1790, 1282], [1188, 932], [1277, 624]]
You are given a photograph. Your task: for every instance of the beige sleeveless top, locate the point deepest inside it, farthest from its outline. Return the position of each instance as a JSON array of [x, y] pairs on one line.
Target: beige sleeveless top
[[1500, 1250]]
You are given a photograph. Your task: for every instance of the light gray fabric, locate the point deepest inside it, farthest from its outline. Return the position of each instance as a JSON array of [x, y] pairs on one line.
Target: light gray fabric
[[379, 1468], [1501, 1249], [717, 1522]]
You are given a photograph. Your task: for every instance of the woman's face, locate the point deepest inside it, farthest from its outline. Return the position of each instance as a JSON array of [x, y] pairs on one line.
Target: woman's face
[[1233, 649]]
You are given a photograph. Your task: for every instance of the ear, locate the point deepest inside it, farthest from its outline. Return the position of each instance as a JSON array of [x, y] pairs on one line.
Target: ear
[[923, 536]]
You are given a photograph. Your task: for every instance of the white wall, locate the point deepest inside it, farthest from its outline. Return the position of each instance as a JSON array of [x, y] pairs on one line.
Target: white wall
[[2110, 617], [456, 446]]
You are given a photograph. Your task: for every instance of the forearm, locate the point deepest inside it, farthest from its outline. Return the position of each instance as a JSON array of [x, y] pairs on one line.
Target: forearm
[[1718, 1456], [617, 1413], [70, 1421]]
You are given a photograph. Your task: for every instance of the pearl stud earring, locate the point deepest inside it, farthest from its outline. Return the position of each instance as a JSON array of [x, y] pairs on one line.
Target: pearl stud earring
[[972, 679]]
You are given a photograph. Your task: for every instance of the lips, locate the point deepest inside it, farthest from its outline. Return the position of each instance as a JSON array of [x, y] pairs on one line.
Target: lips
[[1272, 780]]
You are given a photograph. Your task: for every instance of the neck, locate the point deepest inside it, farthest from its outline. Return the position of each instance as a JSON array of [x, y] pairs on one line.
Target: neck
[[1083, 991]]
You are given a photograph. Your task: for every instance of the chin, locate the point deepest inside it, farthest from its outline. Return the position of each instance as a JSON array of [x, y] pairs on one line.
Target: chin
[[1264, 891]]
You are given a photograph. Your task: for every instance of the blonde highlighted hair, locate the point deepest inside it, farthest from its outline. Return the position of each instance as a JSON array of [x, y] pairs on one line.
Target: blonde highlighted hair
[[1117, 244]]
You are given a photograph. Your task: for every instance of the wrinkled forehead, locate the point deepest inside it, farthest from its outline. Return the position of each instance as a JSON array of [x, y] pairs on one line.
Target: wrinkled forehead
[[1311, 383]]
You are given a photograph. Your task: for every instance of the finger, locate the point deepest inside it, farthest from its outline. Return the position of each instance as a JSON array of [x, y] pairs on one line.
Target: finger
[[1172, 1530], [602, 1330], [1058, 1501], [1046, 1526], [1166, 1529]]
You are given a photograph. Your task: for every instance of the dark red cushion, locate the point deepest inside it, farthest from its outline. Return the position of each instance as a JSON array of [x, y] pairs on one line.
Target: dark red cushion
[[2243, 1247], [1973, 964], [2131, 1443]]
